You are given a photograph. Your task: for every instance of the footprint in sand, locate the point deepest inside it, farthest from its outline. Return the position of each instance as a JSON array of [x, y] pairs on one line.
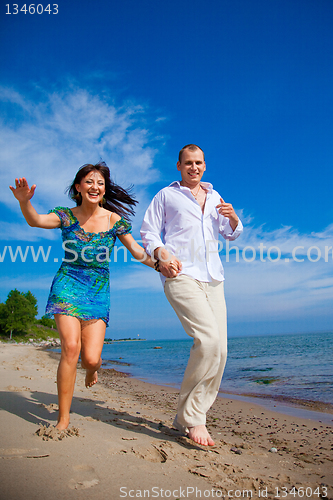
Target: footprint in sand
[[48, 432], [52, 407], [150, 453], [12, 388], [10, 453], [84, 477]]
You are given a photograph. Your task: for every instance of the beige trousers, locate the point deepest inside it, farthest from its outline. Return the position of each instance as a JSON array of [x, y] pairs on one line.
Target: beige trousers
[[201, 308]]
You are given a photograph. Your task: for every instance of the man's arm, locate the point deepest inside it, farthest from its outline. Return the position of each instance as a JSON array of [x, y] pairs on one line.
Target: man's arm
[[151, 229]]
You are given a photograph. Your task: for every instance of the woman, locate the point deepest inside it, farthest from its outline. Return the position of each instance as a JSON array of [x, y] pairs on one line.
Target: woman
[[79, 297]]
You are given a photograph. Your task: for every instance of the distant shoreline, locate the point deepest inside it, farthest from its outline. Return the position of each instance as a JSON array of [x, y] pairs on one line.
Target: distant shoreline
[[112, 341]]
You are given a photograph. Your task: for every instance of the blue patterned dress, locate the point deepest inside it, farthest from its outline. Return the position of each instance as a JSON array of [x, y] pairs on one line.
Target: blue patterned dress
[[81, 286]]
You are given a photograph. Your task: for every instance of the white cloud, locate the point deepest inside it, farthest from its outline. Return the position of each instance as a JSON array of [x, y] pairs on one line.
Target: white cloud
[[48, 139], [141, 279], [285, 289], [23, 232], [286, 238], [25, 283]]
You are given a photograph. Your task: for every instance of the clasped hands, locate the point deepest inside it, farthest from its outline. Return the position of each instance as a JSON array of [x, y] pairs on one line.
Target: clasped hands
[[169, 265]]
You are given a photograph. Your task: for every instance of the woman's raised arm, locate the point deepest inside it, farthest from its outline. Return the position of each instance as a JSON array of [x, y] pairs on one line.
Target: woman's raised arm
[[23, 194]]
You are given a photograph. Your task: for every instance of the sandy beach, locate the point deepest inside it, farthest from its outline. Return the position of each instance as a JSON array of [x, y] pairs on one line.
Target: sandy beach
[[121, 442]]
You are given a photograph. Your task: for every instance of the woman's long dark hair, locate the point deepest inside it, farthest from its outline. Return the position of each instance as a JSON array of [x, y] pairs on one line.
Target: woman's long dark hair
[[116, 199]]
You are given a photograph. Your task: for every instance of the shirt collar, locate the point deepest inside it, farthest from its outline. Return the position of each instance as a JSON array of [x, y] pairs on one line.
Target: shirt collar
[[206, 185]]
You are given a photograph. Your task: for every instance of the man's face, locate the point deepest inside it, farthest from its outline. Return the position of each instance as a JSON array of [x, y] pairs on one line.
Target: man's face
[[191, 167]]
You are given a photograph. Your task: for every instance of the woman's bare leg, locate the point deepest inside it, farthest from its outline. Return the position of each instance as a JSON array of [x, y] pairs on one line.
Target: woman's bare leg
[[69, 329], [92, 340]]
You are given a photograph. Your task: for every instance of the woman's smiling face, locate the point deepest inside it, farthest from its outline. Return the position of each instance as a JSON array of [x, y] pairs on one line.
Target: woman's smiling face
[[92, 187]]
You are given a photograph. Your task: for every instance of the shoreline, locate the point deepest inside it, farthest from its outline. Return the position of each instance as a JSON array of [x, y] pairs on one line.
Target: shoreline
[[300, 382], [310, 410], [122, 437], [289, 406]]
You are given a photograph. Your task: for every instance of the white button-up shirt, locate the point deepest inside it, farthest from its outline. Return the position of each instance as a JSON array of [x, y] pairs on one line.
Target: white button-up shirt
[[174, 220]]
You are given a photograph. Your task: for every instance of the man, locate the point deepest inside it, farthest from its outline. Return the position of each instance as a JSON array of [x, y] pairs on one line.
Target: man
[[184, 221]]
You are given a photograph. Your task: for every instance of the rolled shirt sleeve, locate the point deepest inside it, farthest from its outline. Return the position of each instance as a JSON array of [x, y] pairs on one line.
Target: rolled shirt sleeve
[[226, 230]]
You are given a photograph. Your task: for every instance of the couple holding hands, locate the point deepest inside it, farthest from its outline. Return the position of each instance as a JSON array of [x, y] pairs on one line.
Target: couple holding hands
[[180, 234]]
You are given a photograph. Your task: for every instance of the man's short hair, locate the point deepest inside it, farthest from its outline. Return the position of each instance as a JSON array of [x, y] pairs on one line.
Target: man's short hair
[[191, 147]]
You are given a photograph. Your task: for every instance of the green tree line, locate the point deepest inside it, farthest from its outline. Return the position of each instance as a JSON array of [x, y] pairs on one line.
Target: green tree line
[[18, 314]]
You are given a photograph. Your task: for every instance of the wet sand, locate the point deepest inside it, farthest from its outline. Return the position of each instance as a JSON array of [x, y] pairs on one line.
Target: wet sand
[[121, 443]]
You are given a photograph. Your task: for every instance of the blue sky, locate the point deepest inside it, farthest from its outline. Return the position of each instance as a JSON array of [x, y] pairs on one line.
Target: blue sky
[[132, 82]]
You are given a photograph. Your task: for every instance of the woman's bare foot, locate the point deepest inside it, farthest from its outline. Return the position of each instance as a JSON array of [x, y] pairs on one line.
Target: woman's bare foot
[[63, 423], [91, 378], [200, 435]]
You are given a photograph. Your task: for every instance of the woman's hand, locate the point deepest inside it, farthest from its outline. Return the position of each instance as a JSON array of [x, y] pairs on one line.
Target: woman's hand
[[23, 194], [21, 191], [169, 265]]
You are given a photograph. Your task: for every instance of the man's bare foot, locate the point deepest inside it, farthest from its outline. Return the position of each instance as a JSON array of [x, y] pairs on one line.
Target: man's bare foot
[[200, 435], [91, 378], [62, 424]]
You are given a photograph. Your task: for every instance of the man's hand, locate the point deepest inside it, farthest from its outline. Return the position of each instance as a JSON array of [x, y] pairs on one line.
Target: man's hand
[[228, 211], [169, 265], [170, 269]]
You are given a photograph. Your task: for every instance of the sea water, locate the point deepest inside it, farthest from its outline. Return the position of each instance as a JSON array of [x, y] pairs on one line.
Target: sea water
[[297, 366]]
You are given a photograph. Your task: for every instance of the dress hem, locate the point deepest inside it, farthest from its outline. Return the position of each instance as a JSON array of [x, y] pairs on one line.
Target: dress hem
[[66, 313]]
